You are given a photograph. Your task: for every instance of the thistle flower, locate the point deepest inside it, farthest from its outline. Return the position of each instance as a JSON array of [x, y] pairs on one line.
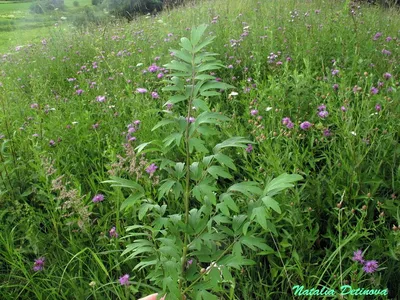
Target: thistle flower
[[141, 90], [151, 169], [39, 264], [249, 148], [370, 266], [357, 256], [113, 232], [124, 280], [98, 198], [305, 125]]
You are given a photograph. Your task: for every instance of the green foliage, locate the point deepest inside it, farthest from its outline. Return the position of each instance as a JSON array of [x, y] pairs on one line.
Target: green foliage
[[177, 243], [129, 8]]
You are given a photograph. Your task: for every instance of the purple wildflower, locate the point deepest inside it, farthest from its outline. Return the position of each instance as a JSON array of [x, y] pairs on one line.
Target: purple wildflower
[[377, 36], [101, 98], [141, 90], [160, 75], [323, 114], [387, 76], [335, 87], [305, 125], [370, 266], [285, 120], [151, 169], [155, 95], [335, 72], [388, 39], [290, 125], [249, 148], [374, 90], [124, 280], [357, 256], [386, 52], [322, 107], [79, 92], [34, 105], [343, 108], [327, 132], [98, 198], [52, 143], [39, 264], [191, 120], [113, 232], [254, 112], [378, 107]]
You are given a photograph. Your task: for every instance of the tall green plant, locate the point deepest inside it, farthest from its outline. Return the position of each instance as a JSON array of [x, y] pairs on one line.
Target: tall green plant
[[190, 249]]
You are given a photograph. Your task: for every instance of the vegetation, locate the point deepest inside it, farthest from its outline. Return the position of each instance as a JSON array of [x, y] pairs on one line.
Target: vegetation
[[238, 160]]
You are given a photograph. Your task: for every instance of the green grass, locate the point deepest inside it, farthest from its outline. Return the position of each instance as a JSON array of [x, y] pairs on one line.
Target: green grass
[[349, 160]]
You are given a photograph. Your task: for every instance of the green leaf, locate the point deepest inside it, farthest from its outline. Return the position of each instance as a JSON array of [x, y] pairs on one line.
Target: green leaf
[[204, 77], [184, 55], [217, 171], [180, 66], [254, 242], [271, 203], [171, 138], [197, 33], [208, 40], [280, 183], [247, 188], [198, 145], [200, 104], [177, 98], [131, 201], [235, 141], [165, 188], [143, 210], [228, 201], [186, 44], [121, 182], [225, 160], [215, 85], [163, 123], [260, 216], [209, 94]]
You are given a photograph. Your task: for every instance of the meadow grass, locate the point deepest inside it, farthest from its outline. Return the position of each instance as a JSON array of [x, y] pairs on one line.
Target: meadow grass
[[317, 88]]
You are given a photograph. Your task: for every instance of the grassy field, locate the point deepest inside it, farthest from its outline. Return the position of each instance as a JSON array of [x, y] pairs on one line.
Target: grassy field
[[133, 162], [19, 27]]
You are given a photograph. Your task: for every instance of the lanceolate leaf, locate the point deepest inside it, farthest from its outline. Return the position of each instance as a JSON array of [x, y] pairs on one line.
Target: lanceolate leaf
[[280, 183]]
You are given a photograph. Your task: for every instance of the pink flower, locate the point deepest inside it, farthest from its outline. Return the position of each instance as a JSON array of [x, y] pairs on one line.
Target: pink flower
[[124, 280]]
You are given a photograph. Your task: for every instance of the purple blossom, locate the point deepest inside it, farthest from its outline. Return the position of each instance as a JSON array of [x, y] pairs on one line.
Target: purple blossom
[[327, 132], [191, 120], [387, 76], [335, 87], [249, 148], [374, 90], [155, 95], [52, 143], [101, 98], [323, 114], [285, 120], [290, 125], [124, 280], [39, 264], [151, 169], [370, 266], [305, 125], [377, 36], [160, 75], [378, 107], [386, 52], [343, 108], [388, 39], [79, 92], [113, 232], [357, 256], [34, 105], [153, 68], [335, 72], [141, 90], [98, 198], [254, 112], [322, 107]]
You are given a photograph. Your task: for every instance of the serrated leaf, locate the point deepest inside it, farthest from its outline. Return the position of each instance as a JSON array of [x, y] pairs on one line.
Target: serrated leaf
[[165, 188], [217, 171], [163, 123], [171, 138], [186, 44], [184, 55], [235, 141], [260, 216], [280, 183], [197, 144], [121, 182], [229, 202], [247, 188], [197, 33], [177, 98], [225, 160], [269, 202], [131, 201]]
